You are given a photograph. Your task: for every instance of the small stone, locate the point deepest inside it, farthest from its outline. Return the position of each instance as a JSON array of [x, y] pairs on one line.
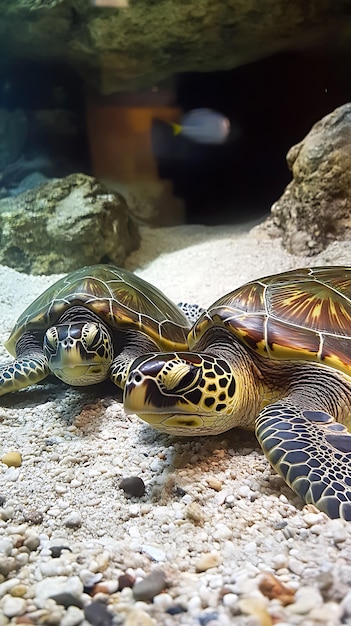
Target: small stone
[[154, 552], [137, 617], [314, 518], [133, 486], [33, 517], [306, 599], [176, 609], [214, 483], [12, 459], [255, 606], [89, 579], [7, 513], [107, 587], [150, 586], [7, 565], [6, 547], [72, 617], [125, 580], [18, 591], [194, 513], [97, 614], [32, 542], [74, 520], [67, 599], [12, 607], [272, 588], [57, 550], [206, 561]]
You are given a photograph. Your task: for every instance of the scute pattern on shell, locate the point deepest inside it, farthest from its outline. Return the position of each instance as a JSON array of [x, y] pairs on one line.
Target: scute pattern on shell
[[303, 314], [116, 295]]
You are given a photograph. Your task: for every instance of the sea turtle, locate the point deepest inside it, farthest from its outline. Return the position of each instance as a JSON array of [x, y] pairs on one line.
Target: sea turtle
[[274, 354], [90, 326]]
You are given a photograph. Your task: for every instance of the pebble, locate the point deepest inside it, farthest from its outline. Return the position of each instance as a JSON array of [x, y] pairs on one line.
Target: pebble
[[133, 486], [150, 586], [7, 565], [214, 483], [74, 520], [125, 580], [206, 561], [18, 591], [12, 459], [154, 552], [97, 614], [194, 512], [12, 607], [67, 599], [32, 542], [34, 517], [72, 617], [306, 599], [137, 617], [273, 588]]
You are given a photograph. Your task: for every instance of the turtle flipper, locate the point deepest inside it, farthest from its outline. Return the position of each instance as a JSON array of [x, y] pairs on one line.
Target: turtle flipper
[[312, 453], [22, 372]]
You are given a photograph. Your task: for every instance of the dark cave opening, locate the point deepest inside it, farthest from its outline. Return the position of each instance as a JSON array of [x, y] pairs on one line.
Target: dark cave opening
[[272, 105]]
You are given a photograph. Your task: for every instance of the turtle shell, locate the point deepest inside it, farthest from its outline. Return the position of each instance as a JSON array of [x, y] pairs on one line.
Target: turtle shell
[[120, 298], [304, 314]]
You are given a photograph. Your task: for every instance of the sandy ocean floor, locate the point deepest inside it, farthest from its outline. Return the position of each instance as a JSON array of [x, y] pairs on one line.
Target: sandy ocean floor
[[215, 523]]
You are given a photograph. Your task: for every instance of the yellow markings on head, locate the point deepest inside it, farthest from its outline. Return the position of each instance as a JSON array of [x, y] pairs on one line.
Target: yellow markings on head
[[173, 377]]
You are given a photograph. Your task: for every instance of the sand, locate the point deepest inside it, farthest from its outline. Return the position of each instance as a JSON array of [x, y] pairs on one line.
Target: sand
[[211, 504]]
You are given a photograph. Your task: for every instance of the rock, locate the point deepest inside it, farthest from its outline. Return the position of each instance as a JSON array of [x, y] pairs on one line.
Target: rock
[[12, 459], [150, 586], [33, 517], [63, 225], [272, 588], [133, 486], [194, 513], [72, 617], [206, 561], [314, 209], [13, 606], [137, 47], [125, 580], [306, 599], [74, 520], [67, 599], [32, 542], [97, 614], [137, 617]]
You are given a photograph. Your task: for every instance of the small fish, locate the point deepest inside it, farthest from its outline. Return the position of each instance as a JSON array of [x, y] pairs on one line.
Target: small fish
[[203, 126]]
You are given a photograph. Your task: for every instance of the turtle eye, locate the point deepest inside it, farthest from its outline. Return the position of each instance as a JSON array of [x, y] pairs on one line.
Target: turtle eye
[[51, 340], [91, 335]]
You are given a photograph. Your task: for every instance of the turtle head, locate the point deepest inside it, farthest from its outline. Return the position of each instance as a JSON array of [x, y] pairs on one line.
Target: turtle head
[[182, 393], [79, 353]]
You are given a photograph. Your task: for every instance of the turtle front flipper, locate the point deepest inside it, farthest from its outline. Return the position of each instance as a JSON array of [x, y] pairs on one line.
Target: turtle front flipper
[[312, 453], [23, 371]]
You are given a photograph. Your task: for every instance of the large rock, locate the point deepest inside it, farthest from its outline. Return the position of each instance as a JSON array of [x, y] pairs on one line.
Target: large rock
[[315, 207], [65, 224], [149, 41]]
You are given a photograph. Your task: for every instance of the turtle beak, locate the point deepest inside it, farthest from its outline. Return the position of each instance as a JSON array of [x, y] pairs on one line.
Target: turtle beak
[[80, 375]]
